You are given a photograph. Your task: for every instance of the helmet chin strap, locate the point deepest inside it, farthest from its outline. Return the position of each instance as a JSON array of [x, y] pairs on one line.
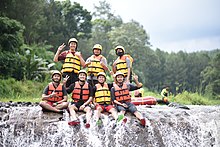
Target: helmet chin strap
[[82, 80]]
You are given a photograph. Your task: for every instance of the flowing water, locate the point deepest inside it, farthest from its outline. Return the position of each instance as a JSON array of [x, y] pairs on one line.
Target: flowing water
[[167, 127]]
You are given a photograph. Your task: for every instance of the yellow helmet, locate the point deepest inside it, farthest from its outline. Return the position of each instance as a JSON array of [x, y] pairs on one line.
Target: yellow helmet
[[97, 46], [120, 47], [82, 71], [56, 72], [118, 73], [72, 40], [101, 74]]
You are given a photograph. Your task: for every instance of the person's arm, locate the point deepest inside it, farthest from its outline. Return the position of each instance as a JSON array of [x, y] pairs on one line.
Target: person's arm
[[70, 88], [162, 93], [138, 84], [114, 67], [88, 61], [104, 64], [55, 59], [128, 64], [94, 90], [110, 85], [45, 96], [82, 61]]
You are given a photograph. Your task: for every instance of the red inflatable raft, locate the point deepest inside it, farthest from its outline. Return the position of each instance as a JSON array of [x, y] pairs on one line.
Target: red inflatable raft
[[148, 100]]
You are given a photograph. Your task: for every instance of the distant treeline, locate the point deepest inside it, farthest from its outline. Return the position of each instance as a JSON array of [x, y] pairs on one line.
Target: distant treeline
[[31, 31]]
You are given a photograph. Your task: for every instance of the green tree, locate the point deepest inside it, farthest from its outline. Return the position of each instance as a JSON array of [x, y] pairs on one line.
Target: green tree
[[29, 13], [10, 35], [77, 21], [211, 77], [104, 22], [11, 39]]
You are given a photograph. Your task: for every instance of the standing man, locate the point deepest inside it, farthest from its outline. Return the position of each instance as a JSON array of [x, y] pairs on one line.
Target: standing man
[[123, 63], [103, 99], [54, 97], [121, 97], [96, 63], [72, 60], [82, 96]]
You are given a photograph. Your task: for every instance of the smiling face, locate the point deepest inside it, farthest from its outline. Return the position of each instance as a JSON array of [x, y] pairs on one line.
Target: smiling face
[[56, 78], [101, 79], [96, 51], [120, 79], [82, 77], [73, 46]]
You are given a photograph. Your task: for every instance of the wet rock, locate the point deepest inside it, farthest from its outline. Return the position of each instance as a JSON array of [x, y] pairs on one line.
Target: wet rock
[[5, 117], [27, 125]]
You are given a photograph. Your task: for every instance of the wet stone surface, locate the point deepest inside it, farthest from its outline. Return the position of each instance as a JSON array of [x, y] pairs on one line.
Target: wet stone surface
[[24, 125]]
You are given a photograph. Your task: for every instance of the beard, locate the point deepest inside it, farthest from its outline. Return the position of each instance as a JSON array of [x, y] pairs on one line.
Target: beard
[[56, 81], [120, 54]]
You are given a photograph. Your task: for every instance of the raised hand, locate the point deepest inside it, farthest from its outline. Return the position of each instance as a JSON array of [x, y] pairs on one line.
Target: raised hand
[[65, 79], [61, 47]]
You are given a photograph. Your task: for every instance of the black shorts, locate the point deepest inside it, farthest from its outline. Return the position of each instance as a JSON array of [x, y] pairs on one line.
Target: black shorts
[[77, 104], [131, 107]]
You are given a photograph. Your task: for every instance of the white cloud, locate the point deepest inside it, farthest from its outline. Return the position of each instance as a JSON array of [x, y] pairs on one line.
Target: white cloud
[[172, 24], [192, 45]]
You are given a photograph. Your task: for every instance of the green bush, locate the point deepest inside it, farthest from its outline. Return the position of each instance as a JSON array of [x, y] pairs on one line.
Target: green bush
[[12, 90], [192, 99]]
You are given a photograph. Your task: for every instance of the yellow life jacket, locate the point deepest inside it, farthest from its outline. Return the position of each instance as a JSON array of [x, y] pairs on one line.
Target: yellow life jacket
[[95, 67], [71, 63], [121, 64], [102, 94]]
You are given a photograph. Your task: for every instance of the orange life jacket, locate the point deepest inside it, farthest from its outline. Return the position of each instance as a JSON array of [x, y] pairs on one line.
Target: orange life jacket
[[95, 67], [80, 90], [102, 94], [58, 91], [122, 94]]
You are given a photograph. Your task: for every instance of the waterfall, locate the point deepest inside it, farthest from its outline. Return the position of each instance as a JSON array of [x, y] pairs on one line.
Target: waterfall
[[28, 126]]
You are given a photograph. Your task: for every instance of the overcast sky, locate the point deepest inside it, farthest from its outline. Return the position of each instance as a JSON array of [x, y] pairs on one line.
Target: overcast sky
[[173, 25]]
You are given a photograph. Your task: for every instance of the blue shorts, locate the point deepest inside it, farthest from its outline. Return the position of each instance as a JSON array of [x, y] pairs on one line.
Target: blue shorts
[[131, 108]]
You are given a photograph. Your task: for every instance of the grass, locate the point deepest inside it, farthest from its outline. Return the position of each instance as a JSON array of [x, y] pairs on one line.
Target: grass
[[31, 91]]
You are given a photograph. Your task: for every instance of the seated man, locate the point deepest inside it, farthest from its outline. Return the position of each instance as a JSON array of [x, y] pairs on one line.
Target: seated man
[[103, 99], [82, 96], [54, 97], [121, 97], [165, 94]]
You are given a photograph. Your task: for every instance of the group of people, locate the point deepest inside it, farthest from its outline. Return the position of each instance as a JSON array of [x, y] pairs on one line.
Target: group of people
[[89, 88]]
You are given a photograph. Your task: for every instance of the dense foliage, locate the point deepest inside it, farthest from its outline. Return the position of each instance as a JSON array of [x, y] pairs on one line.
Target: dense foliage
[[31, 33]]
